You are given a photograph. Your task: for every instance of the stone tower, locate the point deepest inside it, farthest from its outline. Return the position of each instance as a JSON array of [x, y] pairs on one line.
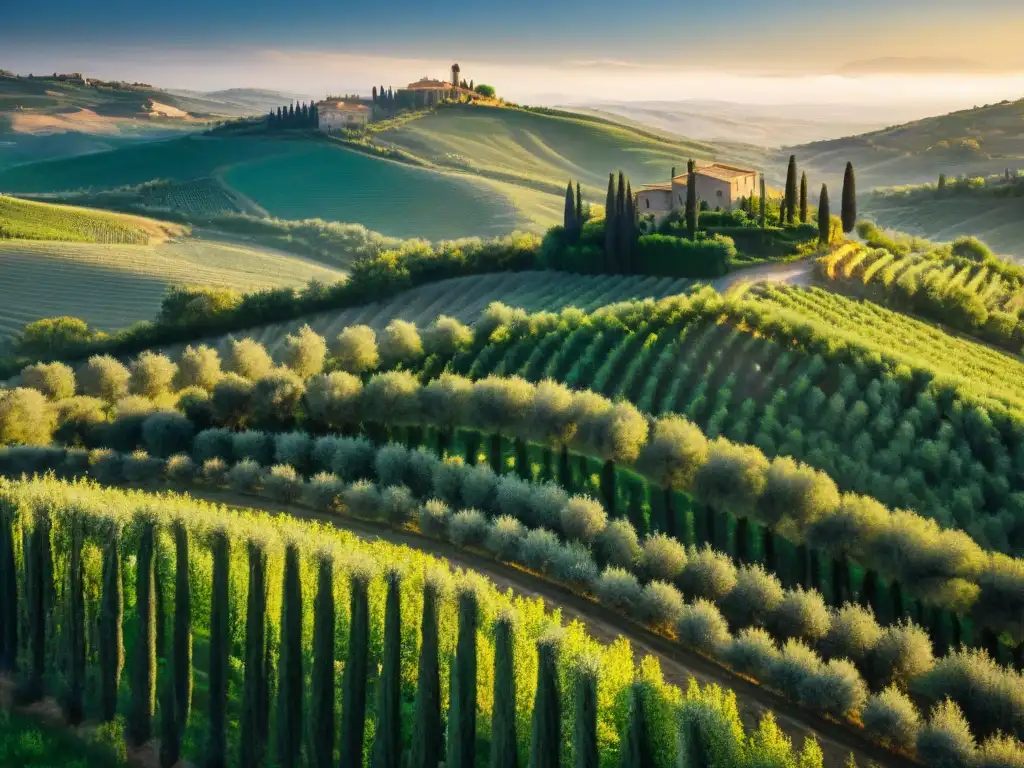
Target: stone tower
[[455, 75]]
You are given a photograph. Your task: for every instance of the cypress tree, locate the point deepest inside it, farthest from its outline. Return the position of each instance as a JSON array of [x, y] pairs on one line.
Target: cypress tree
[[692, 211], [791, 191], [942, 182], [849, 212], [569, 215], [824, 216], [322, 705], [143, 688], [546, 734], [32, 689], [216, 750], [387, 744], [353, 706], [579, 210], [8, 593], [427, 735], [585, 733], [74, 704], [182, 642], [762, 202], [290, 689], [254, 694], [375, 94], [635, 750], [610, 227], [462, 709], [627, 228], [504, 750], [803, 198], [170, 728], [111, 620]]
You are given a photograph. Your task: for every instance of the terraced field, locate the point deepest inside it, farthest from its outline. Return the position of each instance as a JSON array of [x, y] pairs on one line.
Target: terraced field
[[113, 286], [466, 297], [23, 219]]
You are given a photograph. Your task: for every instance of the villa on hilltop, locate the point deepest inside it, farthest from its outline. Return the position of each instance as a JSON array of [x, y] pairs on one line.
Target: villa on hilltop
[[427, 91], [335, 115], [721, 186]]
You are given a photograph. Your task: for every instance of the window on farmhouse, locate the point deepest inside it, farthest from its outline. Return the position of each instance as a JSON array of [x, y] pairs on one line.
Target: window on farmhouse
[[648, 201], [719, 193]]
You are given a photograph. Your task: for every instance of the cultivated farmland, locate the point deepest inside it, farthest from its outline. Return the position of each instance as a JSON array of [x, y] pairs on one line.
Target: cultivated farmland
[[25, 220], [113, 286]]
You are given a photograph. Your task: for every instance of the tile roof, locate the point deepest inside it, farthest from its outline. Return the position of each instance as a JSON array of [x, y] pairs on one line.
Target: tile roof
[[341, 106], [719, 171]]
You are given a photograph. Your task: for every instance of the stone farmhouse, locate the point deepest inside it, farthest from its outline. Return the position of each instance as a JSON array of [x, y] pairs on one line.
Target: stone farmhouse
[[427, 91], [720, 186], [335, 115]]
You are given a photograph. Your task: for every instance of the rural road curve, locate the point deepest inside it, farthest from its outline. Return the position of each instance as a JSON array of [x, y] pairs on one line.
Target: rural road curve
[[794, 273], [604, 625]]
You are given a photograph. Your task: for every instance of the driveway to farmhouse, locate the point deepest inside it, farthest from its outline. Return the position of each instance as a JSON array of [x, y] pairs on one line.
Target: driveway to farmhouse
[[793, 272]]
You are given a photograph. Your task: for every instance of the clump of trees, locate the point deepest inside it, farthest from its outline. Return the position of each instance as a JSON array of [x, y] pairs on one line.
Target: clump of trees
[[300, 115]]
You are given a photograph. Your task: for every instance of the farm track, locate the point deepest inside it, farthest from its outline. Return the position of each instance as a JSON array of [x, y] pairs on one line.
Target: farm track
[[678, 664]]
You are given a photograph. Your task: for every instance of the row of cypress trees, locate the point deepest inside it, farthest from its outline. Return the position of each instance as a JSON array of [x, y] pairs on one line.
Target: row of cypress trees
[[292, 116], [573, 218], [620, 229], [795, 200], [154, 662]]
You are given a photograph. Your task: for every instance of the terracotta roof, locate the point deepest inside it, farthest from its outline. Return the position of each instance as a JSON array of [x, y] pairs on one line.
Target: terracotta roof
[[719, 171], [341, 106], [653, 187], [428, 84]]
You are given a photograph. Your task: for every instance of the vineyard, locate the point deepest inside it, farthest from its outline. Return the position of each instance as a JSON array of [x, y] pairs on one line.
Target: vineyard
[[209, 623], [113, 286], [25, 220], [202, 197]]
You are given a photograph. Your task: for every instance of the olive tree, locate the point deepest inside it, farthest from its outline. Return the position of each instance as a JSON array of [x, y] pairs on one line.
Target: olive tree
[[276, 399], [446, 336], [104, 377], [333, 400], [582, 519], [231, 401], [892, 719], [663, 557], [400, 344], [166, 433], [946, 741], [355, 350], [248, 358], [902, 653], [26, 417], [754, 598], [447, 400], [853, 634], [619, 544], [305, 352], [152, 375], [801, 614], [78, 419], [708, 574], [553, 418], [198, 367], [674, 453], [796, 492], [732, 479], [55, 380], [391, 398]]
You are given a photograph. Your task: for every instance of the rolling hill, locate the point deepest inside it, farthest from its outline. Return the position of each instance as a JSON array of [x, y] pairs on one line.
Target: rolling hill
[[27, 220]]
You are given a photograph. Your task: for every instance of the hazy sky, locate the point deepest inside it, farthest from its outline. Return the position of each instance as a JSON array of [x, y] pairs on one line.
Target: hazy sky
[[745, 50]]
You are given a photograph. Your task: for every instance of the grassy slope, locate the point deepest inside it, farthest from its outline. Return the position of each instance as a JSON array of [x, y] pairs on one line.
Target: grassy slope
[[43, 221], [27, 743], [909, 153], [112, 286]]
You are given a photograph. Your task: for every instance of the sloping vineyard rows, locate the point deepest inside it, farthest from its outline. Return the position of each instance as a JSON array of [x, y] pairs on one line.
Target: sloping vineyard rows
[[38, 221], [202, 197], [202, 626]]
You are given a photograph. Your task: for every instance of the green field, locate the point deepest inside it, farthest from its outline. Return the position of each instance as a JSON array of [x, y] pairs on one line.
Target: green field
[[113, 286], [25, 220]]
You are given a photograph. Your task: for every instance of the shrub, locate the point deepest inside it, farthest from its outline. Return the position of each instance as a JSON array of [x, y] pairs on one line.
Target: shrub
[[661, 605], [180, 468], [213, 444], [467, 528], [195, 404], [140, 467], [708, 574], [398, 504], [752, 652], [248, 359], [231, 401], [902, 653], [433, 518], [26, 418], [276, 399], [305, 352], [583, 519], [505, 537], [282, 483], [853, 634], [802, 614], [615, 434], [151, 375], [333, 400], [447, 400], [546, 502], [124, 432], [258, 446], [448, 478], [675, 452], [514, 496], [892, 719], [75, 465], [391, 398], [353, 459], [323, 491], [480, 487], [679, 257], [574, 564], [198, 367], [796, 491], [78, 420], [362, 499], [104, 377], [836, 690], [324, 450], [619, 545], [106, 466], [391, 464], [214, 472], [419, 472], [355, 350], [1000, 751], [446, 336], [400, 344], [702, 627], [794, 665], [539, 549], [972, 248], [166, 433], [946, 740], [663, 557], [245, 476], [618, 588], [55, 380], [732, 479], [293, 448], [754, 598]]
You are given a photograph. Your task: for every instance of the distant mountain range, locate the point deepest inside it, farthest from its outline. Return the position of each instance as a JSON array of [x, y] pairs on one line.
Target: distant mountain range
[[914, 65]]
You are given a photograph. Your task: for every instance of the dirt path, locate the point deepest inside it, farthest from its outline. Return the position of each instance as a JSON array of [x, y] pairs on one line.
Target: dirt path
[[793, 272], [678, 664]]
